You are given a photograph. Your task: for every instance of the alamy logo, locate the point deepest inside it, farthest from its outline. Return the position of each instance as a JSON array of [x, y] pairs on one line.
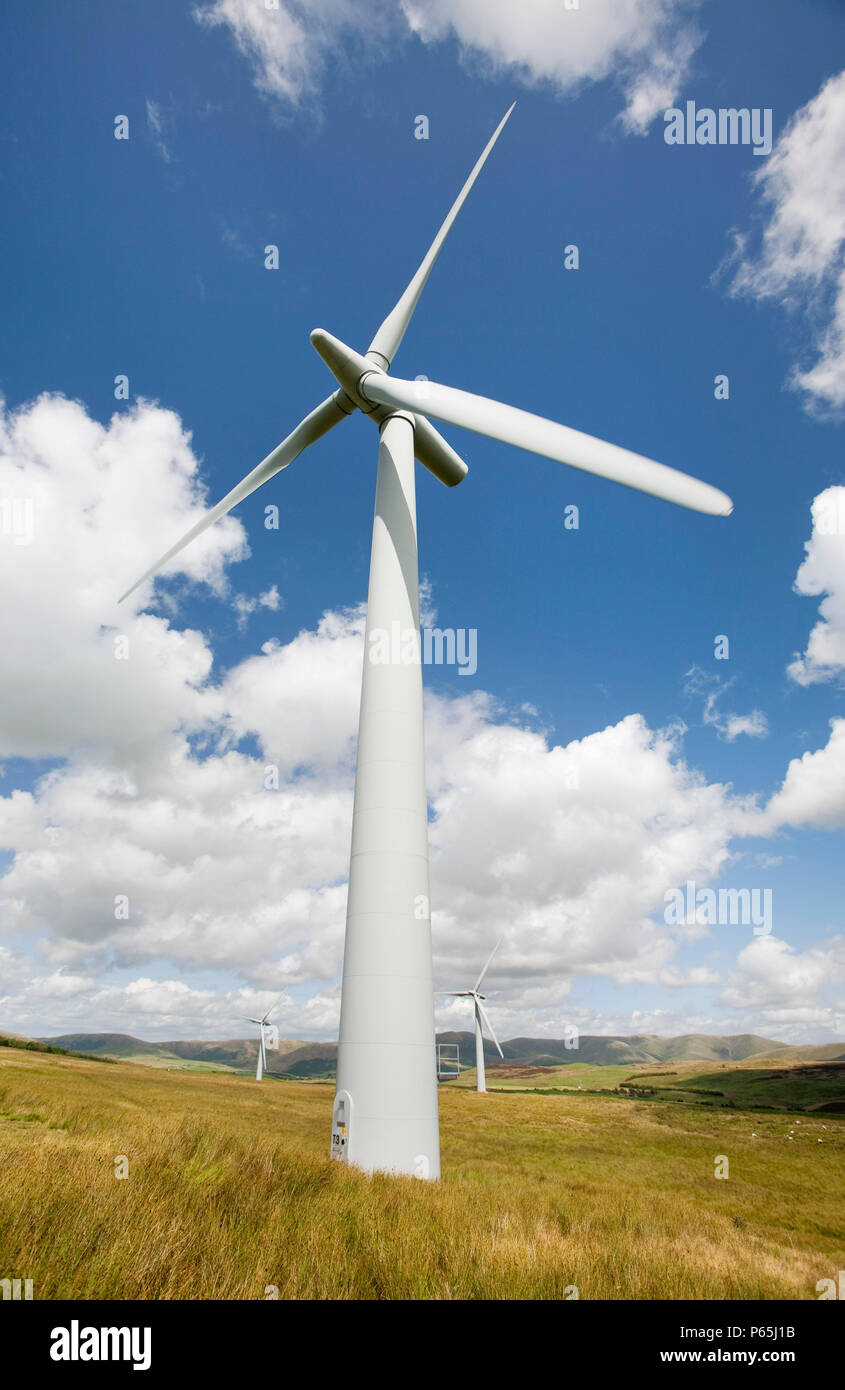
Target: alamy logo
[[77, 1343], [727, 126], [729, 907], [435, 646], [17, 1289]]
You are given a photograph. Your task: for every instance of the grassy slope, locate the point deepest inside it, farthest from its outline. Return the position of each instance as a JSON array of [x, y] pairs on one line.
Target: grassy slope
[[644, 1047], [17, 1042], [794, 1087], [785, 1084], [238, 1054], [230, 1191], [515, 1077]]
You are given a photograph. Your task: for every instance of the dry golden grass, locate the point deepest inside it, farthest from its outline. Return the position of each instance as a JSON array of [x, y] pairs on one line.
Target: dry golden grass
[[230, 1191]]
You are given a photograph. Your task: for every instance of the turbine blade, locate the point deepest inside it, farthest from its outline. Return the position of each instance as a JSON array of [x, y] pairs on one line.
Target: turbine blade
[[540, 436], [318, 423], [487, 963], [436, 454], [488, 1025], [392, 331], [273, 1007]]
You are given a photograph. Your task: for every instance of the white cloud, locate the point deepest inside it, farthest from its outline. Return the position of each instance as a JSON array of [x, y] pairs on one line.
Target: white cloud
[[178, 825], [235, 862], [168, 1008], [155, 126], [288, 46], [727, 726], [300, 699], [571, 848], [775, 980], [800, 257], [813, 790], [217, 870], [823, 572], [244, 607], [730, 726], [645, 45], [130, 487], [755, 725], [221, 871]]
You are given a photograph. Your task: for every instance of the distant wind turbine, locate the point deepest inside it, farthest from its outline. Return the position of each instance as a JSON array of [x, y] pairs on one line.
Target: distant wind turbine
[[385, 1109], [481, 1020], [262, 1050]]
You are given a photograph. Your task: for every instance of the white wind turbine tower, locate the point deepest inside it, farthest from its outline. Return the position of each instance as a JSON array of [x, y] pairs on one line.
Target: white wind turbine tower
[[481, 1021], [385, 1111], [262, 1049]]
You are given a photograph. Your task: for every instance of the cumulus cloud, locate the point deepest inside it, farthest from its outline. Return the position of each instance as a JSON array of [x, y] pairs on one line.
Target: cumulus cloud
[[61, 1002], [204, 867], [300, 699], [189, 822], [571, 847], [823, 572], [780, 983], [219, 866], [813, 790], [799, 259], [644, 45], [117, 678]]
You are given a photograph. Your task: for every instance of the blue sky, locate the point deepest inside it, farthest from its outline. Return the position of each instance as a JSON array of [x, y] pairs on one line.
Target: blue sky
[[146, 257]]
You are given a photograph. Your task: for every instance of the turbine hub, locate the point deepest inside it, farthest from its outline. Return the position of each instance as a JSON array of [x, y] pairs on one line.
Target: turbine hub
[[347, 366]]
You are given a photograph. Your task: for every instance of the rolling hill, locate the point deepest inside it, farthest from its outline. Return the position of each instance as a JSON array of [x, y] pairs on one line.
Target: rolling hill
[[237, 1054], [644, 1049], [298, 1058], [18, 1042]]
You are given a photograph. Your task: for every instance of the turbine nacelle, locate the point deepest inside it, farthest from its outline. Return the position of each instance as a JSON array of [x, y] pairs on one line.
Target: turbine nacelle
[[349, 369]]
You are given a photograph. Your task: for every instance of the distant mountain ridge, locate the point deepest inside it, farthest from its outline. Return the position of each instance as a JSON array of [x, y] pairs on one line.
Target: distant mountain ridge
[[295, 1057]]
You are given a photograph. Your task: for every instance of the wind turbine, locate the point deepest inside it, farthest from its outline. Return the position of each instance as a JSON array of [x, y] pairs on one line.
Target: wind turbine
[[481, 1020], [262, 1050], [385, 1109]]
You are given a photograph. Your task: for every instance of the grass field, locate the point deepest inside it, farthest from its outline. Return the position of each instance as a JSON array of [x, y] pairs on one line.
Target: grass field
[[753, 1084], [814, 1088], [230, 1191], [180, 1064], [518, 1077]]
